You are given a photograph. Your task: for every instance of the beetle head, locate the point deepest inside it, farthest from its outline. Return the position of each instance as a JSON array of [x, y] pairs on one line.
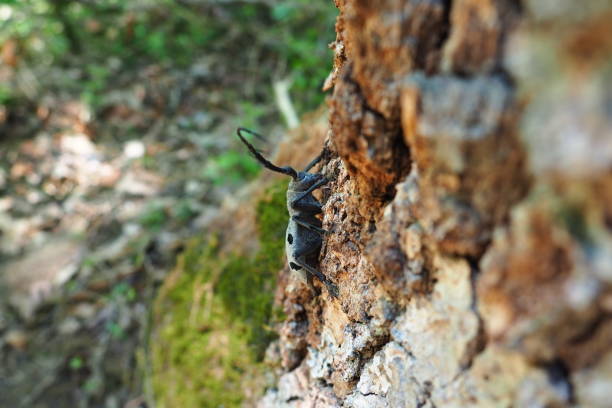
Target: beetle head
[[304, 180]]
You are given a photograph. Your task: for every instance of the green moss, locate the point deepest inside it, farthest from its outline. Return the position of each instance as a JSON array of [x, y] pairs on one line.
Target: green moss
[[213, 316], [246, 285], [272, 221]]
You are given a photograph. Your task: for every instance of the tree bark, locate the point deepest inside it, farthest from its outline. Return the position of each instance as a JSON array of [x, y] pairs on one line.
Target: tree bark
[[469, 212]]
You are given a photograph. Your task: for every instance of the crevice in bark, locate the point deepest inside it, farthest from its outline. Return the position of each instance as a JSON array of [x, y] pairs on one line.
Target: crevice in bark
[[446, 24], [293, 398], [560, 377], [370, 145], [590, 330], [426, 395], [479, 342]]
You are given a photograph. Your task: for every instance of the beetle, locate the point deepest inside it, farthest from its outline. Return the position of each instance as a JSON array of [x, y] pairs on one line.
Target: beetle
[[303, 239]]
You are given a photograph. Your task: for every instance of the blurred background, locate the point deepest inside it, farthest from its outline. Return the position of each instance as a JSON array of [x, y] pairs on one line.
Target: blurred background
[[117, 145]]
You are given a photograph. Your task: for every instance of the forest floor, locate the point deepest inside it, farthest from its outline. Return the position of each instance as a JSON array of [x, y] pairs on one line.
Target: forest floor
[[96, 200], [92, 217]]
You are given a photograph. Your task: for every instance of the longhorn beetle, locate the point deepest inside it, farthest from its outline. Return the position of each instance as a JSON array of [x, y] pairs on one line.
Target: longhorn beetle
[[303, 238]]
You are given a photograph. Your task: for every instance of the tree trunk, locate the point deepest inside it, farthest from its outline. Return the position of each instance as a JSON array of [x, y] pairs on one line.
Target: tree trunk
[[469, 212]]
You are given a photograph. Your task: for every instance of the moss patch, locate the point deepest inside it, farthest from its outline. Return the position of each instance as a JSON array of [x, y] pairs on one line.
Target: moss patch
[[246, 285], [213, 317]]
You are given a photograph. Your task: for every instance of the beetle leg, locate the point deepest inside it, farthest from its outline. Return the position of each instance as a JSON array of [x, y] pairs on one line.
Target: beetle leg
[[311, 207], [331, 288], [309, 190], [308, 225], [313, 162]]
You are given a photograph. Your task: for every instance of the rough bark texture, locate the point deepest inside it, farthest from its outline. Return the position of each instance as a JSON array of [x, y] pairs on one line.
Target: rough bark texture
[[469, 212]]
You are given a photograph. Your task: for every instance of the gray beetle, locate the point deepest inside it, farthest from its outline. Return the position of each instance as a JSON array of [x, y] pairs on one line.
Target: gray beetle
[[303, 239]]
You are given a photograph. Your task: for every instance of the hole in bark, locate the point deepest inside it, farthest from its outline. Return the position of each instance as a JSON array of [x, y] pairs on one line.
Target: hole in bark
[[295, 267], [290, 239], [608, 221], [559, 377], [372, 227]]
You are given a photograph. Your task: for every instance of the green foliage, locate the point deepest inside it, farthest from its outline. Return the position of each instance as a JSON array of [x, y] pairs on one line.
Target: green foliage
[[183, 211], [289, 39], [170, 39], [304, 47], [115, 330], [123, 292], [213, 316], [5, 95], [75, 363], [154, 217], [95, 84], [230, 167], [250, 114], [93, 385]]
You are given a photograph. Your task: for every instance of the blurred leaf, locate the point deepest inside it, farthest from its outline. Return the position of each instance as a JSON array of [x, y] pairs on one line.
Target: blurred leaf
[[231, 167], [75, 363], [93, 385], [183, 211], [154, 217], [282, 11], [123, 291], [115, 330], [5, 95]]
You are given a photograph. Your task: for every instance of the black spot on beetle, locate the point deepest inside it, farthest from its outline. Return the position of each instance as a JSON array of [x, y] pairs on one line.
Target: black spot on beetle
[[294, 266], [290, 239]]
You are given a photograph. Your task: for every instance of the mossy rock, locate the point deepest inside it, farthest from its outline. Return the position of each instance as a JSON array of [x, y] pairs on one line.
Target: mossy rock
[[212, 316]]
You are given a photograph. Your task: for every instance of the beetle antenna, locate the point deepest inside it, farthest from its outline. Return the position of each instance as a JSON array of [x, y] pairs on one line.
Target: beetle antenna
[[289, 171], [251, 132]]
